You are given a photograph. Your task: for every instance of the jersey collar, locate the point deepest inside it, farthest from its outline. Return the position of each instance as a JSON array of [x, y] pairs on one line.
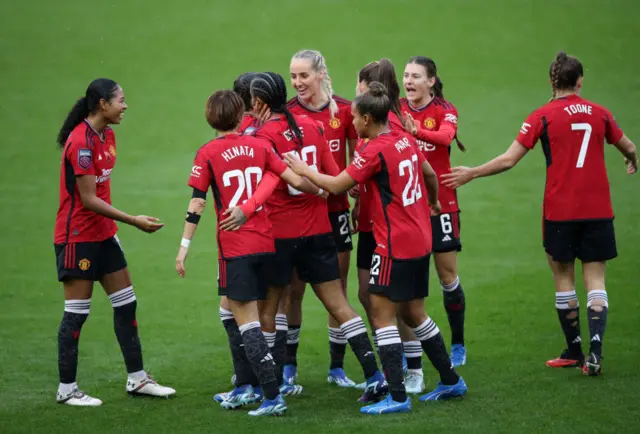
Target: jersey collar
[[306, 107], [419, 109]]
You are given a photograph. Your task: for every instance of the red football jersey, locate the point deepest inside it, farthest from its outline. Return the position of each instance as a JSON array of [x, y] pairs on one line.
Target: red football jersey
[[365, 219], [233, 166], [293, 213], [401, 223], [85, 154], [337, 131], [572, 131], [248, 124], [432, 117]]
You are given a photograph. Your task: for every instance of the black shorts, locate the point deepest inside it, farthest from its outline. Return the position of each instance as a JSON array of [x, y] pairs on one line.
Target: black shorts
[[245, 278], [366, 247], [89, 261], [341, 228], [400, 280], [589, 241], [445, 229], [315, 258]]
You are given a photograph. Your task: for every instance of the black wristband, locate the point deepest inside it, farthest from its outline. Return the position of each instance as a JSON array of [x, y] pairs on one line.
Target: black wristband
[[192, 217]]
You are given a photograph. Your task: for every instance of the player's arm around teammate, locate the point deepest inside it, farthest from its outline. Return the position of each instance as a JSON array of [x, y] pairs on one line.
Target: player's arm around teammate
[[578, 214], [86, 245], [433, 121]]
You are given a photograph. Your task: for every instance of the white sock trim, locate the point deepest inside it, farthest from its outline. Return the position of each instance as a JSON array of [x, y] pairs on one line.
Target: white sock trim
[[138, 375], [563, 299], [225, 315], [270, 337], [336, 336], [122, 297], [81, 307], [388, 336], [67, 388], [451, 286], [248, 326], [412, 349], [293, 336], [426, 330], [597, 294], [353, 327], [281, 322]]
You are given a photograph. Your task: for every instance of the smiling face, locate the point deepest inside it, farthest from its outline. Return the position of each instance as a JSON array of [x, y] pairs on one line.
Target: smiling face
[[304, 79], [417, 84], [113, 110]]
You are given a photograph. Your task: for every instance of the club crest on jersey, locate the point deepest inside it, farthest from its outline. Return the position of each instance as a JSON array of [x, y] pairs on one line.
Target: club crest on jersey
[[430, 123], [334, 123], [84, 264], [84, 158]]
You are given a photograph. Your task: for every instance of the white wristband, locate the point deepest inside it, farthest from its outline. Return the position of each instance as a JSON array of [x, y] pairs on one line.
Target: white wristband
[[185, 243], [320, 192]]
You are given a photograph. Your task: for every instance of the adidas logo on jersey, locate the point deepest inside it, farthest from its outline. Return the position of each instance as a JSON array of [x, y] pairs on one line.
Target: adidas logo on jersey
[[446, 238]]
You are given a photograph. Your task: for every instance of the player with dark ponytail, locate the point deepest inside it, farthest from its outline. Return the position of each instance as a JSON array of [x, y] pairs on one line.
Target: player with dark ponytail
[[87, 248], [303, 235], [577, 209], [401, 180], [434, 122]]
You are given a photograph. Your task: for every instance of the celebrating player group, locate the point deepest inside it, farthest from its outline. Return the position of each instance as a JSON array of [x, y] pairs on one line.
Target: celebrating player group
[[279, 174]]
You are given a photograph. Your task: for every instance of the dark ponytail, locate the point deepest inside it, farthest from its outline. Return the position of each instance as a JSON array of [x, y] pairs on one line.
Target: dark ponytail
[[375, 103], [564, 73], [99, 89], [272, 90], [383, 72], [242, 86], [437, 89]]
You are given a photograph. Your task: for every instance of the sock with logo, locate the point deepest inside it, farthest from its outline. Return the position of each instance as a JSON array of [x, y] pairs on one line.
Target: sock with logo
[[356, 333], [75, 314], [597, 308], [257, 349], [433, 345], [568, 310], [241, 366], [390, 347], [455, 306], [126, 327]]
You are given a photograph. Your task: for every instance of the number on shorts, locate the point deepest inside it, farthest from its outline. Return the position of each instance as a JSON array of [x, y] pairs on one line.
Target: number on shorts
[[585, 142], [244, 182], [343, 219], [412, 191], [445, 223], [308, 154], [375, 265]]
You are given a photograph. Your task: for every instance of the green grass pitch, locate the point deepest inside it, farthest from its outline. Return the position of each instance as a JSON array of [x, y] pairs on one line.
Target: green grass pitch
[[493, 57]]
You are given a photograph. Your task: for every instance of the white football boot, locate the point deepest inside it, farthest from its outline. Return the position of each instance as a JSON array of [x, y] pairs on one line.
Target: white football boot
[[414, 381], [148, 386], [77, 398]]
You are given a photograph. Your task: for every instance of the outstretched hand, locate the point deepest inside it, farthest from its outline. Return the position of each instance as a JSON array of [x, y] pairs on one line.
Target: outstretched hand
[[458, 177]]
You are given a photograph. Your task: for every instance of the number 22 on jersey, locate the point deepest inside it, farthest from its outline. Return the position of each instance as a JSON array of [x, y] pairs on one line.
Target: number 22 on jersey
[[412, 191]]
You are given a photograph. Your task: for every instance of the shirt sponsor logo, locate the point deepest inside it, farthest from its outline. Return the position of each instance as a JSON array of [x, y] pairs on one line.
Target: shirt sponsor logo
[[525, 128], [196, 171], [334, 145], [106, 174], [424, 146]]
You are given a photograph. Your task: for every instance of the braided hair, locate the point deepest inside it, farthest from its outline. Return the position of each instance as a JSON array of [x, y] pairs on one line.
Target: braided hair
[[319, 66], [564, 73], [272, 90]]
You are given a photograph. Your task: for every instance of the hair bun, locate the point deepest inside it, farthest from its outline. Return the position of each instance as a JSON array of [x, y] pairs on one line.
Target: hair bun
[[377, 89], [561, 56]]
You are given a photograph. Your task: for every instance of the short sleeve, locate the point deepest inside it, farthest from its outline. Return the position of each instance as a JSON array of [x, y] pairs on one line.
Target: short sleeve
[[273, 162], [530, 131], [364, 165], [613, 133], [200, 177], [80, 154]]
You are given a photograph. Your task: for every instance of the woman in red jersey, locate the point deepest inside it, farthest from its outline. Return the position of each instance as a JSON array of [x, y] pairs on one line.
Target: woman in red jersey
[[577, 210], [87, 248], [400, 177], [316, 100], [234, 165], [303, 236], [433, 121], [383, 72]]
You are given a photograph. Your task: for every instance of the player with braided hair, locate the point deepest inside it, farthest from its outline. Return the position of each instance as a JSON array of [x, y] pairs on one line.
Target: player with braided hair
[[316, 100], [577, 210], [302, 231]]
